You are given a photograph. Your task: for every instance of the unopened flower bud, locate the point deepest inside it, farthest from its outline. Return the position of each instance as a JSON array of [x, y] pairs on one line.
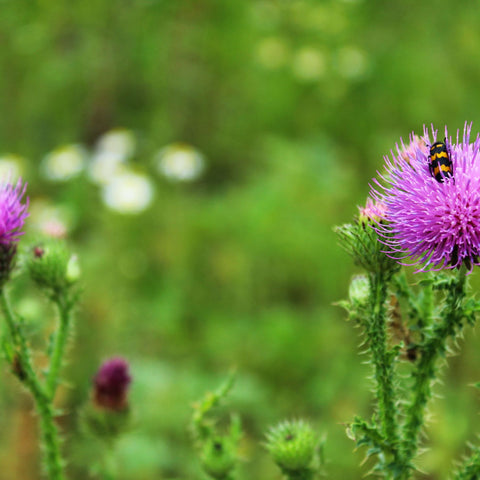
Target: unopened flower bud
[[362, 241], [51, 265], [73, 269], [219, 457], [292, 445], [359, 290]]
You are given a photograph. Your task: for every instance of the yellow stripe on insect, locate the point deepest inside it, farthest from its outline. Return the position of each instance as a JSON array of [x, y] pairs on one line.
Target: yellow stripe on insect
[[440, 155]]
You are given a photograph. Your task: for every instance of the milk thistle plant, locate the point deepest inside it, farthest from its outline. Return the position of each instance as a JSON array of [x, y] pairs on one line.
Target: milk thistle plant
[[424, 211], [55, 272]]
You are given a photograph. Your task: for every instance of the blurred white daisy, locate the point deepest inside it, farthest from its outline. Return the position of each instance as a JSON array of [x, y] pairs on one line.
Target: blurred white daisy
[[128, 192], [104, 166], [180, 162], [64, 163], [111, 153], [119, 141]]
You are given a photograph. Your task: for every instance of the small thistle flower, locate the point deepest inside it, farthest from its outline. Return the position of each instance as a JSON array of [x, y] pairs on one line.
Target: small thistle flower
[[12, 218], [12, 211], [111, 385], [435, 223], [292, 445]]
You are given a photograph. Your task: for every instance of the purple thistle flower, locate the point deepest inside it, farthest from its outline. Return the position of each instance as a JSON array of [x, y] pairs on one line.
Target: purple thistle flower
[[12, 211], [436, 224], [111, 384]]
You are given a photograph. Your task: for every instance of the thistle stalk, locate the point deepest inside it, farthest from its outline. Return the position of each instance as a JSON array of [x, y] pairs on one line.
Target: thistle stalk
[[42, 398], [433, 349], [383, 360]]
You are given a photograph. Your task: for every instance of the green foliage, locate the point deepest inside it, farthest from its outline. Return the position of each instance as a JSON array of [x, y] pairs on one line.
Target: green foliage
[[218, 451]]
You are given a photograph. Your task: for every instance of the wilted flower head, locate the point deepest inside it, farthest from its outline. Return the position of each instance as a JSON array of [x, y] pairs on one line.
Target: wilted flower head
[[435, 223], [111, 384]]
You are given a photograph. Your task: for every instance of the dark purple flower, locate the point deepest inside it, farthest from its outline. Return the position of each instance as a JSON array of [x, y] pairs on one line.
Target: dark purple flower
[[111, 384], [436, 224], [12, 211]]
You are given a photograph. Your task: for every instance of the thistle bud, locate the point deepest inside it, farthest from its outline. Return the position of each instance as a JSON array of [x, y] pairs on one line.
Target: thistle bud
[[362, 241], [292, 445], [52, 267], [219, 457]]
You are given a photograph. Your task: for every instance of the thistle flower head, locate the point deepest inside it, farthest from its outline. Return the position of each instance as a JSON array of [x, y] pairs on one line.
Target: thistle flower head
[[12, 218], [436, 223], [12, 211], [111, 384]]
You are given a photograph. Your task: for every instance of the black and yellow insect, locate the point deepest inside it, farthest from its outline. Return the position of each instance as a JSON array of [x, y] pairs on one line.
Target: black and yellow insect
[[440, 165]]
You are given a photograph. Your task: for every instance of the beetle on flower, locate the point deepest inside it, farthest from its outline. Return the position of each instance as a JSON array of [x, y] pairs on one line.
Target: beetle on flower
[[435, 224]]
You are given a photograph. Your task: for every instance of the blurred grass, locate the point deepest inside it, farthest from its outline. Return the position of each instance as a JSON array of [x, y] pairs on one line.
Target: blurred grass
[[292, 104]]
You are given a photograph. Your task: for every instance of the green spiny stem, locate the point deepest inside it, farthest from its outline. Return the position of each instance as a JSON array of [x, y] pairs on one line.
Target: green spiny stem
[[434, 348], [51, 443], [383, 360], [52, 457], [471, 467], [59, 342], [20, 342]]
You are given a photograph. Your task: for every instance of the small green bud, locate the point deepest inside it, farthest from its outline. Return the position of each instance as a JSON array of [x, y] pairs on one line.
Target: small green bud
[[219, 457], [51, 266], [73, 269], [359, 290], [292, 445]]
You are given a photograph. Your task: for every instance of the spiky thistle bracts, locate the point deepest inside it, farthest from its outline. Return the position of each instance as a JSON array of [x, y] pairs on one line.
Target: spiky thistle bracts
[[426, 222]]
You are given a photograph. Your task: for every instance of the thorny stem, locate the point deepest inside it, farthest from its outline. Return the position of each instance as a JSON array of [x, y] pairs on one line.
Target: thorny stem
[[383, 360], [471, 467], [434, 348], [42, 397]]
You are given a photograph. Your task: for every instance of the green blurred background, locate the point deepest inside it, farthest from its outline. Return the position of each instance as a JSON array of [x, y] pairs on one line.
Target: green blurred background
[[197, 155]]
